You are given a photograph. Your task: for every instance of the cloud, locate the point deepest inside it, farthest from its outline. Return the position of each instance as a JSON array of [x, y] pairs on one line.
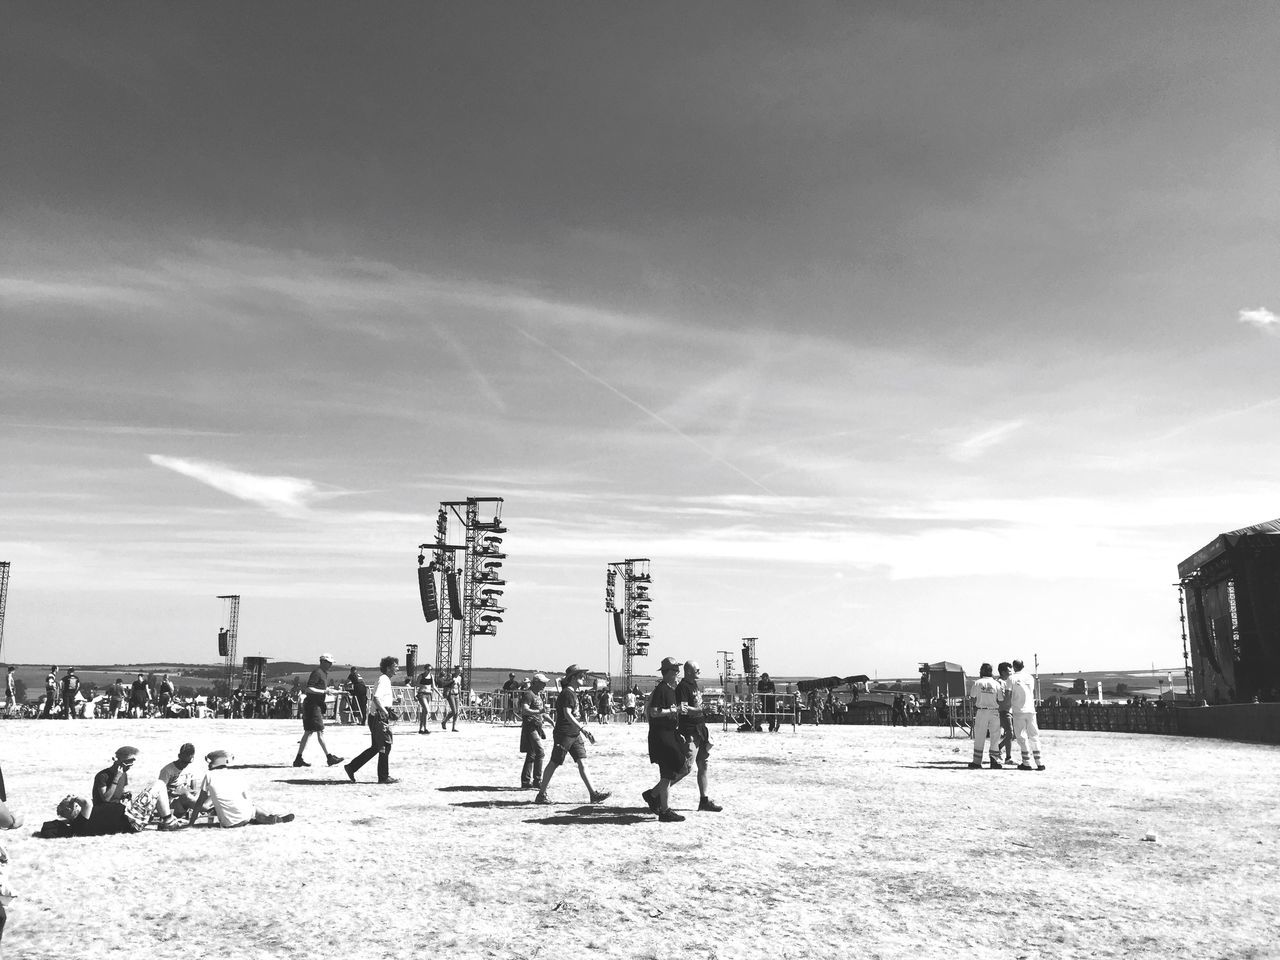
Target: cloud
[[285, 496], [1262, 318], [975, 446]]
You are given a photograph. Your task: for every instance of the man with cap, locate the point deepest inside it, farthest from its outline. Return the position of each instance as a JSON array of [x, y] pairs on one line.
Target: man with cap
[[692, 728], [313, 703], [176, 788], [222, 790], [533, 713], [568, 736], [115, 810], [665, 749]]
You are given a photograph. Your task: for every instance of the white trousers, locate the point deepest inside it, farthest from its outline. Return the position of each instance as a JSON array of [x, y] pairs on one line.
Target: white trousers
[[1024, 729], [986, 725]]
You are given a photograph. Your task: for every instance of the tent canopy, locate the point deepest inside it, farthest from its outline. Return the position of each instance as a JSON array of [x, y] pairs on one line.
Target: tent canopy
[[1219, 545]]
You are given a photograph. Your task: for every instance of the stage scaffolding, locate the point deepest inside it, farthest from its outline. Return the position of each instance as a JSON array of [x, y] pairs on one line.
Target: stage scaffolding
[[631, 619]]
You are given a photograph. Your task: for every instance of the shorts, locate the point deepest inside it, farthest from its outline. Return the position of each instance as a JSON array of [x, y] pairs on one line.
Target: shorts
[[571, 744], [312, 718], [699, 738], [667, 749], [631, 711]]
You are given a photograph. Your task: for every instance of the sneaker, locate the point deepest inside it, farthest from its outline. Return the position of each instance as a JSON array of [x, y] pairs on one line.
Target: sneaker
[[707, 805], [299, 762], [996, 765], [975, 765], [390, 780], [287, 818], [351, 774], [541, 799], [265, 820], [333, 761], [1025, 766], [650, 801], [600, 796], [1040, 766], [669, 816], [173, 823]]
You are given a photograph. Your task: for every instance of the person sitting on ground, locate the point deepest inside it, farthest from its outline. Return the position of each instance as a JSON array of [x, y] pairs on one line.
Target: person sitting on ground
[[8, 819], [176, 788], [113, 798], [222, 789]]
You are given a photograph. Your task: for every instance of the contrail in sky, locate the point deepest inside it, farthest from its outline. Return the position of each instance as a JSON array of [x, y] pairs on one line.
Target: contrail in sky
[[645, 410]]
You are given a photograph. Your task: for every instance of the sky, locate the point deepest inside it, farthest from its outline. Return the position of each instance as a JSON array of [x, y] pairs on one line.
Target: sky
[[889, 332]]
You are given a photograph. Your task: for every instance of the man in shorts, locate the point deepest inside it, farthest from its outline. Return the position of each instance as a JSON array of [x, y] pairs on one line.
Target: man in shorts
[[692, 727], [316, 690], [568, 735], [665, 746], [630, 706], [139, 697], [533, 714]]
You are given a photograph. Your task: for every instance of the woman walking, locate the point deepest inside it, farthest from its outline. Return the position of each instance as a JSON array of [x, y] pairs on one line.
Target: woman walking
[[452, 692], [426, 689]]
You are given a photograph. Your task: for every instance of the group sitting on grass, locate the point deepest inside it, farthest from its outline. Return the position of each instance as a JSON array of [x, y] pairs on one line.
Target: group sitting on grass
[[174, 800]]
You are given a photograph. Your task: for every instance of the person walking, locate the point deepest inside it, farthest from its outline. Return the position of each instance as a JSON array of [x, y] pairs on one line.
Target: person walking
[[1023, 711], [139, 697], [986, 692], [533, 716], [379, 726], [665, 749], [452, 693], [426, 687], [313, 704], [11, 695], [568, 735], [692, 729]]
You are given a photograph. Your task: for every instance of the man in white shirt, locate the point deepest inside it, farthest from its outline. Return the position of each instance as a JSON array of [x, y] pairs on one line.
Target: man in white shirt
[[986, 692], [379, 731], [1025, 727], [223, 790]]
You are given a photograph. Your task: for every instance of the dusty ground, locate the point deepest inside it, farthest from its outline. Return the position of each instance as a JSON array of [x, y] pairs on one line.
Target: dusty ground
[[849, 841]]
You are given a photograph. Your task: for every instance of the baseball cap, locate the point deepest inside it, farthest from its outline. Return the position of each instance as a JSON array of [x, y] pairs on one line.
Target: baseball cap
[[217, 756], [124, 753], [670, 663], [327, 656], [541, 678]]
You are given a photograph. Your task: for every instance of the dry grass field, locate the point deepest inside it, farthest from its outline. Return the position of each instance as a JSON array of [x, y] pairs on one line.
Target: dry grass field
[[849, 841]]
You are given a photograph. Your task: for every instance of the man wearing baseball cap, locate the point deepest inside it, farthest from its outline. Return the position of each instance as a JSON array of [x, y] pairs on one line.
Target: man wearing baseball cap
[[224, 793], [568, 733], [313, 703], [665, 749]]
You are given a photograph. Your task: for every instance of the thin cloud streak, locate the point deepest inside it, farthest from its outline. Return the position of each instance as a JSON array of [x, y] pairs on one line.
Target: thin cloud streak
[[656, 417], [1261, 318]]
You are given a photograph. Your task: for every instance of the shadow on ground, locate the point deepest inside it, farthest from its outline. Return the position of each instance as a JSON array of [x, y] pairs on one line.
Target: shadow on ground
[[487, 804], [482, 789], [343, 781], [596, 815]]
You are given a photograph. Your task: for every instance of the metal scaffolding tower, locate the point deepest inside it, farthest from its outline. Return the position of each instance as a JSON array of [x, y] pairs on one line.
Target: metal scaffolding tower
[[4, 599], [472, 589], [631, 620], [228, 634]]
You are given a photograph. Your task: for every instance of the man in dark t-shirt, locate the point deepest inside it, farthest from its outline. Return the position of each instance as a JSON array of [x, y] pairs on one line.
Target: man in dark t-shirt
[[313, 703], [768, 700], [692, 727], [510, 696], [665, 746], [568, 735], [533, 711], [139, 697]]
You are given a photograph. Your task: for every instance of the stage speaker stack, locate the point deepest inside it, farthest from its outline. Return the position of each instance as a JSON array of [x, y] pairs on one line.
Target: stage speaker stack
[[455, 599], [427, 590], [411, 661], [617, 628], [747, 665], [222, 643]]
